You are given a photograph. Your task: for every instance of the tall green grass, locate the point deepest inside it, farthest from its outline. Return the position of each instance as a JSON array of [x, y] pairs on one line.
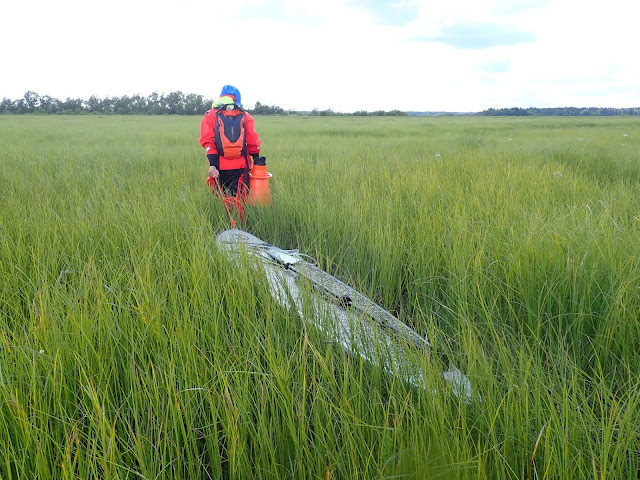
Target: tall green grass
[[130, 347]]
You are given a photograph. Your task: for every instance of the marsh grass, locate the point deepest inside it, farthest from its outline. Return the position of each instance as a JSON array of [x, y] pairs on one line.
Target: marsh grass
[[130, 347]]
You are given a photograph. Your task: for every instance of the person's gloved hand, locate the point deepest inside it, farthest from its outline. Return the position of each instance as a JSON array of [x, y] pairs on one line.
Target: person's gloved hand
[[213, 172]]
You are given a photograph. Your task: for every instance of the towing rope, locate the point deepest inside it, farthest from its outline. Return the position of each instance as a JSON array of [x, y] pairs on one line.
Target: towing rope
[[230, 202]]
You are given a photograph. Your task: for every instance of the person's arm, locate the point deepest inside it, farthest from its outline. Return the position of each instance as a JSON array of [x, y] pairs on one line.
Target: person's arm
[[214, 164], [208, 133], [251, 136], [208, 142]]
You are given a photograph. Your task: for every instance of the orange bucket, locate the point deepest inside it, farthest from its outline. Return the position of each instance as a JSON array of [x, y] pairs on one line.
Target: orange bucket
[[259, 183]]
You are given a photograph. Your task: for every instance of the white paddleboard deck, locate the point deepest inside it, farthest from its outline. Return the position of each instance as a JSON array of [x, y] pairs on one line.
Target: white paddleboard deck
[[341, 313]]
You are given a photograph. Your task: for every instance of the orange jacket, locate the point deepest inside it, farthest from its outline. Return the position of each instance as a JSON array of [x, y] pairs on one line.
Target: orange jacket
[[208, 139]]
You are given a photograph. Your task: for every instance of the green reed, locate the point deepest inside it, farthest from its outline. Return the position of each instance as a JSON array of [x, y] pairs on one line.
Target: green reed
[[131, 347]]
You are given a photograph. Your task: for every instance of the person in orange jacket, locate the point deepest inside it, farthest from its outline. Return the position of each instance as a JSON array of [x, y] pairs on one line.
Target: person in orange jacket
[[228, 135]]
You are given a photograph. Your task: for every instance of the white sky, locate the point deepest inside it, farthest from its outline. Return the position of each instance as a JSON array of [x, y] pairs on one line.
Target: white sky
[[450, 55]]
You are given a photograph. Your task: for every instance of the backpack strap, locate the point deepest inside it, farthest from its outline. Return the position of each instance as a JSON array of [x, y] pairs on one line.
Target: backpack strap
[[225, 106]]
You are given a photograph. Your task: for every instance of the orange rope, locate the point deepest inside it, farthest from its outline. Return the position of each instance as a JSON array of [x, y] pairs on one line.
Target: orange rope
[[230, 203]]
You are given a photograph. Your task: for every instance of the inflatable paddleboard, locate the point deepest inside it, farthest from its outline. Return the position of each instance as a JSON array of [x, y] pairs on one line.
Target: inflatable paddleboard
[[341, 313]]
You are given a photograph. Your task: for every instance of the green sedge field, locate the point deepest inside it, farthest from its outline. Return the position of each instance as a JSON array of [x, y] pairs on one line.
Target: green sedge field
[[132, 348]]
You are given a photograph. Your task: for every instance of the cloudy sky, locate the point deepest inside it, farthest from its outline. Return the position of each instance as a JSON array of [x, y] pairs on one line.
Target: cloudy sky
[[449, 55]]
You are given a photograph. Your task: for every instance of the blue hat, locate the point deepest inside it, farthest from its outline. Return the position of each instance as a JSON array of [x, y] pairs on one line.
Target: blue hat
[[231, 90]]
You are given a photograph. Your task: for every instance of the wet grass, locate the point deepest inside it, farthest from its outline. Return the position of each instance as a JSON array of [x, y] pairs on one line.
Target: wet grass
[[130, 347]]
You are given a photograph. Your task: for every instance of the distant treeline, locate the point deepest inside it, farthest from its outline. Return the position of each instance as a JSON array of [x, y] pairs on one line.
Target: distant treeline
[[175, 103], [178, 103], [561, 112], [359, 113]]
